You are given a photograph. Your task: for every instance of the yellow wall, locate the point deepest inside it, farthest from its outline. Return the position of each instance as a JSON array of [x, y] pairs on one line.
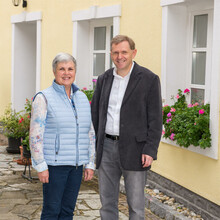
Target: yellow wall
[[141, 19], [6, 9], [195, 172], [57, 29]]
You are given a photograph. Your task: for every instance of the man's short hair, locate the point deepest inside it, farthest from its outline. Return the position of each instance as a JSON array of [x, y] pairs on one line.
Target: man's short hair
[[120, 38]]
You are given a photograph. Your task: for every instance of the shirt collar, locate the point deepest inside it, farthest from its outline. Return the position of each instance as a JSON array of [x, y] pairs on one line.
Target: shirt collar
[[61, 88], [127, 76]]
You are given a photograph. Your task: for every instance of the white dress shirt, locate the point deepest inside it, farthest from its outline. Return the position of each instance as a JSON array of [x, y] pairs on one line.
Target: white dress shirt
[[118, 89]]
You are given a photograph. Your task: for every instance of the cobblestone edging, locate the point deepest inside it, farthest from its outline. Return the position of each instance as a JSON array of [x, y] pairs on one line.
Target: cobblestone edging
[[161, 210], [168, 211], [207, 209], [166, 207]]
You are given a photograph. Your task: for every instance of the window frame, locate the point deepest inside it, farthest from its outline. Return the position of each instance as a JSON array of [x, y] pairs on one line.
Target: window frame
[[81, 37], [100, 23], [208, 51]]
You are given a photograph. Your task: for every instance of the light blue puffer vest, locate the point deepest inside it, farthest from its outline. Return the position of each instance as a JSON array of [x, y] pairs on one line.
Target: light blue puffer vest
[[66, 138]]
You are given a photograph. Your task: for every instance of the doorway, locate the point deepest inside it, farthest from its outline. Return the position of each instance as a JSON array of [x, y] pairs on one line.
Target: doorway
[[24, 65]]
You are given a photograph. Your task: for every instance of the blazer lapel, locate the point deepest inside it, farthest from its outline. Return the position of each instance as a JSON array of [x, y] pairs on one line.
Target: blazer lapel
[[133, 81], [106, 88]]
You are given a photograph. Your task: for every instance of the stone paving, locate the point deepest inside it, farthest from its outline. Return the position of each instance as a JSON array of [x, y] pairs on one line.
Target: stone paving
[[21, 199]]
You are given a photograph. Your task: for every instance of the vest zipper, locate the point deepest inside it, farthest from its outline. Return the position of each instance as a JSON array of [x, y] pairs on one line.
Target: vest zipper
[[77, 141], [77, 134], [57, 146]]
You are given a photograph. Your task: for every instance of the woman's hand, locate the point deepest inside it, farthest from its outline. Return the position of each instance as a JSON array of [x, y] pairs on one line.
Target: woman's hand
[[88, 174], [44, 176]]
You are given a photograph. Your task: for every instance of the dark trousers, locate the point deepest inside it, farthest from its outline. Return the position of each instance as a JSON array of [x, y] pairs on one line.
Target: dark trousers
[[60, 194]]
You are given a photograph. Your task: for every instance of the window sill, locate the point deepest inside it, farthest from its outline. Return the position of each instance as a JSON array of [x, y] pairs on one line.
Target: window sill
[[208, 152]]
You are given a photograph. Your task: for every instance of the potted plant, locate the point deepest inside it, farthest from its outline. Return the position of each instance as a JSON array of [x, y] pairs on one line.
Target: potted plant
[[89, 92], [10, 126], [15, 126], [24, 127], [187, 124], [26, 147]]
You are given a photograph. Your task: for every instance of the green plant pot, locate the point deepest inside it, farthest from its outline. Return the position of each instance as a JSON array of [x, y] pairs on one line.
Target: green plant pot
[[13, 145], [26, 152]]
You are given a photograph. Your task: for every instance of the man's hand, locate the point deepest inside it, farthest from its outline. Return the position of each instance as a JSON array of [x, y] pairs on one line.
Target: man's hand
[[146, 160], [44, 176], [88, 174]]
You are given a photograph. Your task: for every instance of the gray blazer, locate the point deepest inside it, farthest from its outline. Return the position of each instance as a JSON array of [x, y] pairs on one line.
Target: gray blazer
[[140, 117]]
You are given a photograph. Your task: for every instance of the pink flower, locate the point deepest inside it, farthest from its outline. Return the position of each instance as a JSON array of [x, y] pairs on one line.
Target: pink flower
[[190, 105], [172, 110], [169, 115], [163, 132], [172, 136], [186, 91], [195, 123], [84, 88], [196, 104], [165, 105], [201, 111], [177, 96], [90, 102], [94, 80], [168, 120]]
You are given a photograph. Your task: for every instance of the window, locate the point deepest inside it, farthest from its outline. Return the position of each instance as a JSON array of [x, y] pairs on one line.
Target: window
[[100, 52], [93, 28], [190, 57], [200, 57]]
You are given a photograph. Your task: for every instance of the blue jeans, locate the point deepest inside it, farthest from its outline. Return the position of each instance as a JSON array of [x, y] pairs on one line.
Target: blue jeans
[[60, 194]]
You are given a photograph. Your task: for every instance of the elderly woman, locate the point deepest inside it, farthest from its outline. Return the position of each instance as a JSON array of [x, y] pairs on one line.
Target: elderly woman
[[61, 140]]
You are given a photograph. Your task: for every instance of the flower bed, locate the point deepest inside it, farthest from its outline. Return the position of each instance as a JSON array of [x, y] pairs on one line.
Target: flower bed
[[187, 124]]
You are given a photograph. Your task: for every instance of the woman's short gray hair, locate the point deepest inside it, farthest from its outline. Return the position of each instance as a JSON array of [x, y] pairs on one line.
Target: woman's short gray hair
[[62, 57]]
